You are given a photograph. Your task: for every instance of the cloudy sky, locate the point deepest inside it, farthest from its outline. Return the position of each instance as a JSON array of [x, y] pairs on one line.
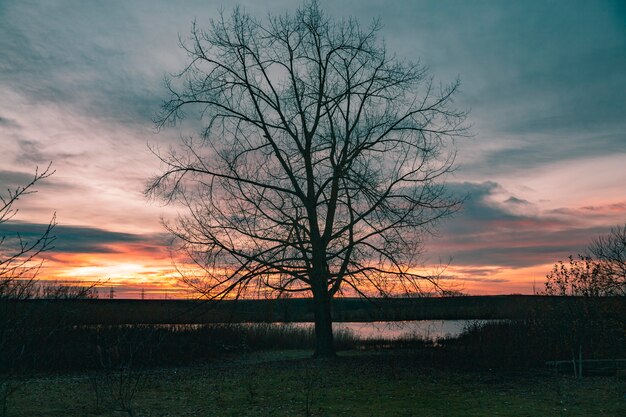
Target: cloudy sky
[[545, 83]]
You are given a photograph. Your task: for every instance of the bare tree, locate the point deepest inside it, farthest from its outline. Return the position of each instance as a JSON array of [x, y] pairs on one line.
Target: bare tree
[[19, 266], [19, 258], [610, 253], [321, 162]]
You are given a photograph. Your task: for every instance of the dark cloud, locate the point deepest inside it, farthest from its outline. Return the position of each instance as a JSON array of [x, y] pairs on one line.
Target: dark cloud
[[610, 207], [9, 123], [592, 211], [476, 205], [11, 180], [543, 150], [515, 253], [77, 239], [489, 233], [476, 272], [517, 201], [484, 280], [14, 179], [31, 152]]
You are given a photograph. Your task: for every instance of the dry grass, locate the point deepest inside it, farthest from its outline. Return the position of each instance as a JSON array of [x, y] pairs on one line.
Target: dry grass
[[356, 384]]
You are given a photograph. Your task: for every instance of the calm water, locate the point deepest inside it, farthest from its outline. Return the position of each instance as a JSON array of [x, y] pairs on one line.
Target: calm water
[[427, 329]]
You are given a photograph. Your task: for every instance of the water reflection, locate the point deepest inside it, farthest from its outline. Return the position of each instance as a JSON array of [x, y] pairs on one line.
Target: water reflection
[[425, 329]]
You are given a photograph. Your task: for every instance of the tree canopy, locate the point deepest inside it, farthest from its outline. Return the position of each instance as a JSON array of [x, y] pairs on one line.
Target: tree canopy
[[321, 160]]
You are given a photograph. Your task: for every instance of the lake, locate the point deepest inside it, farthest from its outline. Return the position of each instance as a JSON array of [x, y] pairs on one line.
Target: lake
[[426, 329]]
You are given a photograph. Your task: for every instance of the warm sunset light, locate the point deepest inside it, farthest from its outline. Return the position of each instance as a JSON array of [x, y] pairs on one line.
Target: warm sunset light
[[541, 174], [112, 272]]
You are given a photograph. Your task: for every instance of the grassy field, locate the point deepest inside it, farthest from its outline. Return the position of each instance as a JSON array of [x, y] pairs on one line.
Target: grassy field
[[62, 368], [287, 383]]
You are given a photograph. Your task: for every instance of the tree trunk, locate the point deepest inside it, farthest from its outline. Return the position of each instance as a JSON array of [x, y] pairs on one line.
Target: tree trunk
[[324, 346]]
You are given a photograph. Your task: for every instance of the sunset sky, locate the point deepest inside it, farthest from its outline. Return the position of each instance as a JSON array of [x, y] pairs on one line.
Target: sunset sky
[[545, 172]]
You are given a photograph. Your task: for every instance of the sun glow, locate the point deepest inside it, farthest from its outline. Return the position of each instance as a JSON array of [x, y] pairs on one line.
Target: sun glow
[[131, 273], [111, 271], [135, 271]]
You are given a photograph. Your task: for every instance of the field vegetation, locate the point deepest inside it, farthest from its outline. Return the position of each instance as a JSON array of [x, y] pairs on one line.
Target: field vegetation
[[499, 367], [492, 368], [398, 383]]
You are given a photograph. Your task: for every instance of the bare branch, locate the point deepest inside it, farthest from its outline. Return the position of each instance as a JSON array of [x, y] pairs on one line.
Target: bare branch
[[321, 162]]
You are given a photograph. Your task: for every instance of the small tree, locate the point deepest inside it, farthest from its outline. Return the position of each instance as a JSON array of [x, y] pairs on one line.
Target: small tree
[[600, 272], [580, 277], [320, 164], [585, 325]]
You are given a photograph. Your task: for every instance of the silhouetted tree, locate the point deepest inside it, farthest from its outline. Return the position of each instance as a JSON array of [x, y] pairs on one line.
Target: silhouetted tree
[[19, 263], [610, 253], [19, 266], [580, 276], [600, 272], [586, 326], [321, 162]]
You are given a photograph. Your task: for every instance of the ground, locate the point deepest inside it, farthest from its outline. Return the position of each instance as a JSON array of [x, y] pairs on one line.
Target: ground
[[291, 384]]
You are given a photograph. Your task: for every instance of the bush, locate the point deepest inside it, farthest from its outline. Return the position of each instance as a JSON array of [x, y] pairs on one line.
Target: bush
[[520, 344]]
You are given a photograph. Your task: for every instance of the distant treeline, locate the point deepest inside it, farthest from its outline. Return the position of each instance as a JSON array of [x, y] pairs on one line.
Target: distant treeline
[[111, 312]]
